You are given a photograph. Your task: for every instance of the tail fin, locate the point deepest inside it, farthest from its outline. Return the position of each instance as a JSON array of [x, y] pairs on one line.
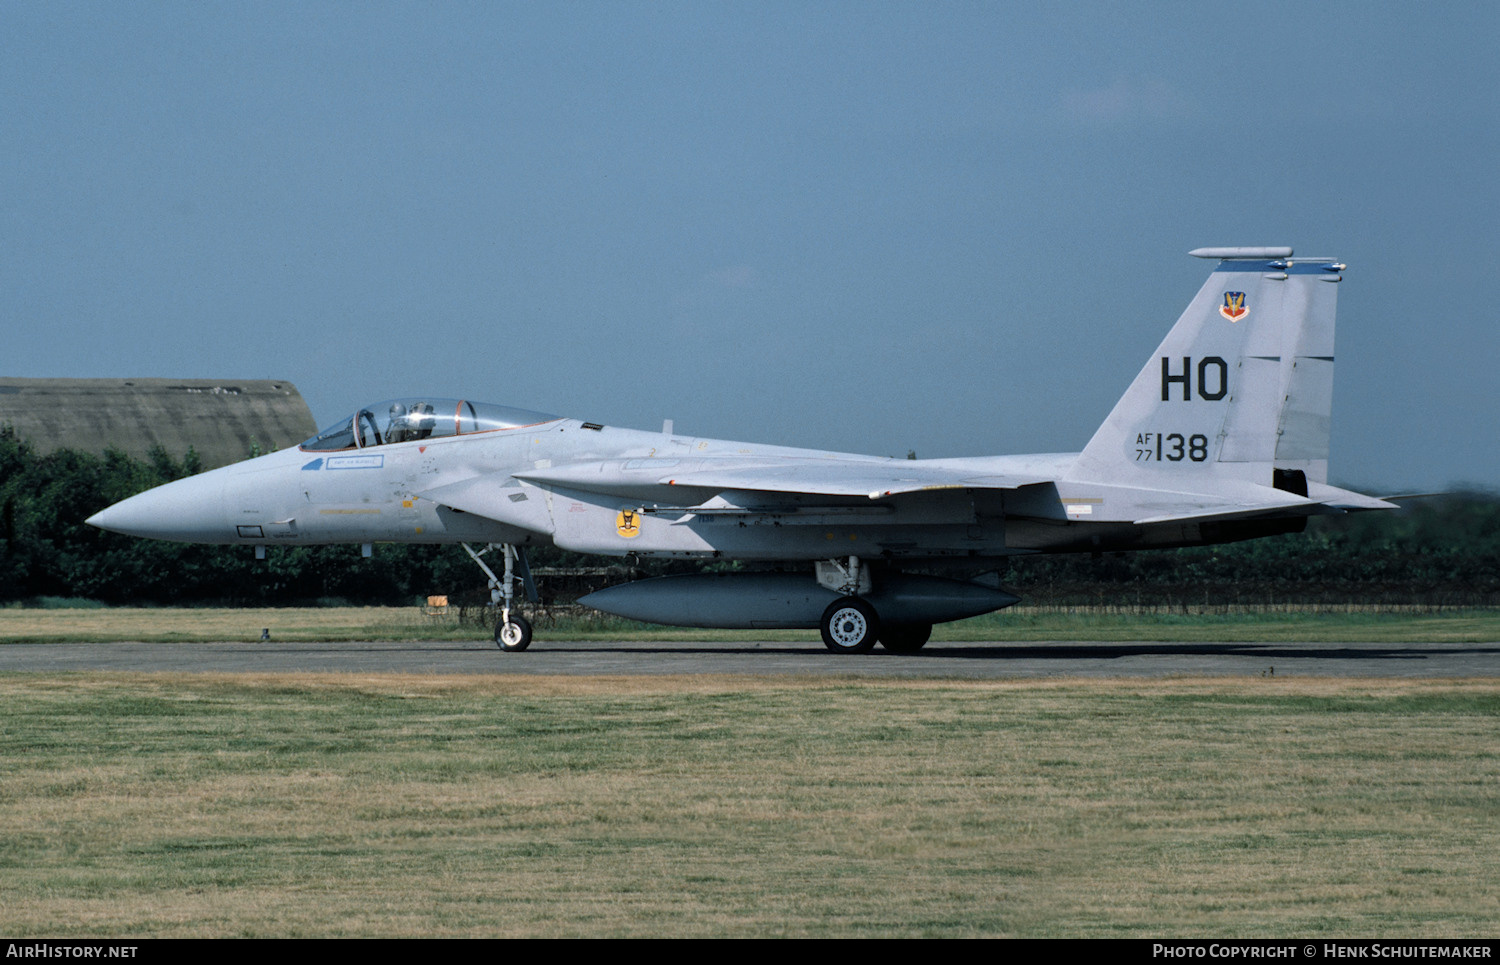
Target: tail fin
[[1241, 388]]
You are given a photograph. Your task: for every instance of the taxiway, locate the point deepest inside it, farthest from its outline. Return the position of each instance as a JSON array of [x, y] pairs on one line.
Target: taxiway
[[937, 660]]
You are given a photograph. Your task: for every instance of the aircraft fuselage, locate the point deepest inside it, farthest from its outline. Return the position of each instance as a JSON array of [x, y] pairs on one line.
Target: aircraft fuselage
[[1223, 435]]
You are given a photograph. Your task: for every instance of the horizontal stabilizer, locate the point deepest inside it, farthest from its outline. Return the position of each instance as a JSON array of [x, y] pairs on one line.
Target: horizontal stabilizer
[[1321, 500], [1403, 497], [1286, 507], [1347, 500]]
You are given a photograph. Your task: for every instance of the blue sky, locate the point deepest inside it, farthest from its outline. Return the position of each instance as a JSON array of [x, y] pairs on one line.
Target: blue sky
[[950, 227]]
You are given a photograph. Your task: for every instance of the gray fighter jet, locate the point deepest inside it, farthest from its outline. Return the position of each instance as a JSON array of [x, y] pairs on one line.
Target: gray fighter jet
[[1222, 436]]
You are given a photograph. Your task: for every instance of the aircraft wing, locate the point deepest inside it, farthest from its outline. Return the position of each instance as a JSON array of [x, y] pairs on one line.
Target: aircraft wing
[[874, 480]]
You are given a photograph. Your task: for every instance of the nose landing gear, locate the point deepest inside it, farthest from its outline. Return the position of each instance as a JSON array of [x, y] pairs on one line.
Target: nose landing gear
[[513, 632]]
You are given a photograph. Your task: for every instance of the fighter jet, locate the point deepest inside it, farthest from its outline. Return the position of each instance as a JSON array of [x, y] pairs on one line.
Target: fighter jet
[[1222, 436]]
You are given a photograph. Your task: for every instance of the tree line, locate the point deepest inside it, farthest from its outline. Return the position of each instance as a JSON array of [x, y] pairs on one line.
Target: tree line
[[1441, 551]]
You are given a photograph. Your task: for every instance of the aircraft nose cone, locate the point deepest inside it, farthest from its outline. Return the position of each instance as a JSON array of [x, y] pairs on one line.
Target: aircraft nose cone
[[188, 510], [132, 517], [106, 519]]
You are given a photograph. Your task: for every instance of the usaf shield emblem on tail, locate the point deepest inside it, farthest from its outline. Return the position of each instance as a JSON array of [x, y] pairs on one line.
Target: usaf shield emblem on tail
[[1234, 306]]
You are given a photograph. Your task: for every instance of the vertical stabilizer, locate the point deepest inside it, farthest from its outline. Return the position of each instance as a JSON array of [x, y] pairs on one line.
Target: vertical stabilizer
[[1242, 386]]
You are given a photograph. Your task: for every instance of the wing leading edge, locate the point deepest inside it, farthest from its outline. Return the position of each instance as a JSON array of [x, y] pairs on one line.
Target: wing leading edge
[[873, 480]]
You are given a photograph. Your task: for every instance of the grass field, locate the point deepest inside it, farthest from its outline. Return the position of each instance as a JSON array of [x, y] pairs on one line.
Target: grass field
[[195, 805], [166, 625]]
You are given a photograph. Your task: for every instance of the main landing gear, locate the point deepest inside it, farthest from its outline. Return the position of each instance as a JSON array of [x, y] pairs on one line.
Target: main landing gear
[[513, 632], [851, 625]]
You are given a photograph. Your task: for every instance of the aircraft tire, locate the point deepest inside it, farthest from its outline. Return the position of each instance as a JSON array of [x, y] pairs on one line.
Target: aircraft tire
[[850, 625], [905, 637], [515, 636]]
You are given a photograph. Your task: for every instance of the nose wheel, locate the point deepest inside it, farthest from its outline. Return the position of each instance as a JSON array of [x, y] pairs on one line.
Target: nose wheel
[[513, 633]]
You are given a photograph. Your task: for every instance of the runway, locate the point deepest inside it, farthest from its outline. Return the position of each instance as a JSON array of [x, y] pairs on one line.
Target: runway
[[937, 660]]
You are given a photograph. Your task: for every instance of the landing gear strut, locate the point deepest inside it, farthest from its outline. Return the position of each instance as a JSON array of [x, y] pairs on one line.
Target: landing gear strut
[[513, 632], [849, 625]]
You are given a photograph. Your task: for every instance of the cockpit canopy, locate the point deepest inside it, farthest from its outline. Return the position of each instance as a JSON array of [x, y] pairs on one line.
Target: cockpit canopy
[[410, 420]]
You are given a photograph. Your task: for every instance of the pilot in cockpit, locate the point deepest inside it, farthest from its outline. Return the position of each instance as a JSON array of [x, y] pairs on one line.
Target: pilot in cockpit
[[399, 429], [421, 420]]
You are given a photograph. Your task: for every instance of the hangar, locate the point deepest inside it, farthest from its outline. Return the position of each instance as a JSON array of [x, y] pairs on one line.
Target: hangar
[[223, 421]]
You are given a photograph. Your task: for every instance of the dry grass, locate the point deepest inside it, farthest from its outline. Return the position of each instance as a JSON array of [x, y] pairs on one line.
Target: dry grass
[[222, 623], [399, 805]]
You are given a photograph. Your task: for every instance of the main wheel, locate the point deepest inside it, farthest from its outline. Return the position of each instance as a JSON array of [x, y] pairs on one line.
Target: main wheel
[[513, 635], [905, 637], [850, 625]]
